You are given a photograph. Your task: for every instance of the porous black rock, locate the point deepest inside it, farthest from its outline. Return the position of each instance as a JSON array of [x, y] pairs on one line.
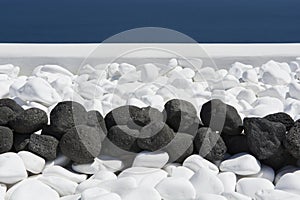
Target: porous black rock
[[29, 121], [96, 120], [283, 118], [124, 138], [6, 115], [209, 144], [182, 116], [5, 102], [180, 147], [121, 116], [81, 144], [264, 137], [292, 140], [21, 142], [43, 145], [52, 131], [67, 114], [221, 117], [236, 143], [6, 139], [155, 136], [145, 115]]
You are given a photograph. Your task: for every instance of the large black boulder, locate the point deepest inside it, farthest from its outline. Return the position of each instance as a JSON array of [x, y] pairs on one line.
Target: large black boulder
[[209, 144], [236, 143], [6, 115], [43, 145], [11, 104], [21, 142], [145, 115], [155, 136], [283, 118], [96, 120], [264, 137], [292, 140], [29, 121], [81, 144], [221, 117], [6, 139]]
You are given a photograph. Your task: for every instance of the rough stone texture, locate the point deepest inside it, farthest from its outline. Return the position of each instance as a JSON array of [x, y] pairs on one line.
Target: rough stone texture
[[121, 116], [96, 120], [124, 138], [29, 121], [264, 137], [6, 139], [180, 147], [209, 144], [53, 131], [146, 115], [155, 136], [6, 114], [182, 116], [221, 117], [21, 142], [236, 144], [11, 104], [43, 145], [292, 140], [66, 115], [283, 118], [81, 144]]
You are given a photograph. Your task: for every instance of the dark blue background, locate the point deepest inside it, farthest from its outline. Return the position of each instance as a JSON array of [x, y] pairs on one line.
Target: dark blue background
[[204, 20]]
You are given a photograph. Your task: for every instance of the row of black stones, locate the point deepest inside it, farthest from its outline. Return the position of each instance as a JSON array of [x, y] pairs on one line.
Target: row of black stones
[[80, 135]]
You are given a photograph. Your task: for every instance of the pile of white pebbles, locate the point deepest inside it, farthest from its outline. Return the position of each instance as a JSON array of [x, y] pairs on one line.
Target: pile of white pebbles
[[253, 91]]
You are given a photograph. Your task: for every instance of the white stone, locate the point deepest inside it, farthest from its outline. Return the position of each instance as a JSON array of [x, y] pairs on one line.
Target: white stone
[[151, 159], [266, 172], [12, 168], [149, 72], [241, 164], [229, 181], [32, 162], [277, 91], [170, 167], [182, 172], [33, 190], [210, 197], [188, 73], [285, 170], [104, 175], [176, 189], [289, 182], [294, 90], [125, 68], [89, 183], [196, 162], [274, 74], [89, 90], [10, 70], [173, 62], [144, 193], [3, 189], [275, 195], [113, 70], [235, 196], [61, 185], [62, 172], [238, 68], [205, 74], [249, 186], [250, 76], [109, 196], [205, 181], [93, 193], [71, 197], [89, 168], [247, 95], [110, 163]]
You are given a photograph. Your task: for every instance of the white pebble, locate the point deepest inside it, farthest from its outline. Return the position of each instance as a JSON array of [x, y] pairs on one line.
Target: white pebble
[[151, 159], [289, 182], [275, 195], [62, 172], [250, 76], [144, 193], [3, 189], [229, 181], [93, 193], [196, 162], [182, 172], [61, 185], [71, 197], [149, 72], [210, 197], [32, 162], [235, 196], [249, 186]]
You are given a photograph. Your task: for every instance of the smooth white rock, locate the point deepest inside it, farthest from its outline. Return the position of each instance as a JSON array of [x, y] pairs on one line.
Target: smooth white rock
[[188, 73], [285, 170], [104, 175], [205, 74], [205, 181], [289, 182], [294, 90], [249, 186], [110, 163], [93, 193], [89, 183], [275, 195], [33, 190], [109, 196], [196, 162], [60, 160], [3, 189], [121, 186], [149, 72], [125, 68], [266, 172], [173, 62], [32, 162], [250, 76], [12, 168], [144, 193], [247, 95], [294, 65], [62, 172], [61, 185], [71, 197], [182, 172], [229, 181], [210, 197], [176, 189], [170, 167], [241, 164], [9, 70], [49, 72], [113, 70], [151, 159], [89, 168], [277, 91], [274, 74], [235, 196], [238, 68]]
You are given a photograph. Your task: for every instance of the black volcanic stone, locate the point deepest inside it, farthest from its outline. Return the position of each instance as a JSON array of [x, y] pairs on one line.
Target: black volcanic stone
[[96, 120], [52, 131], [283, 118], [29, 121], [180, 147], [43, 145], [264, 137], [6, 114], [221, 117], [182, 116], [236, 143], [124, 138], [209, 144], [280, 159], [81, 144], [121, 116], [11, 104], [292, 140], [155, 136], [145, 115], [21, 142], [67, 114], [6, 139]]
